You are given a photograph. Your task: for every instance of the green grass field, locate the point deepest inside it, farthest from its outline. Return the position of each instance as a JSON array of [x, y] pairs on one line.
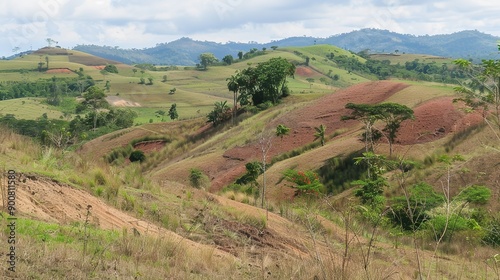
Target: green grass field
[[196, 91], [29, 108], [403, 58]]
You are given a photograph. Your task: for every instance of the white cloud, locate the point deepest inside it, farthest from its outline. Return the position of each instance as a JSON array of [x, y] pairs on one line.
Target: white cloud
[[139, 23]]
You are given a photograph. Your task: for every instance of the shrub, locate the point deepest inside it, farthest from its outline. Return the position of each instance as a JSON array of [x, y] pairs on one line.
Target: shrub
[[197, 178], [305, 182], [475, 194], [137, 155]]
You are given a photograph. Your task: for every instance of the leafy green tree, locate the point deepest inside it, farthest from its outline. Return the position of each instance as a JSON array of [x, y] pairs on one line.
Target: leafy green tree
[[393, 114], [372, 187], [111, 68], [150, 79], [274, 47], [172, 112], [266, 82], [282, 130], [160, 113], [240, 55], [254, 169], [483, 87], [164, 78], [207, 59], [94, 99], [320, 134], [220, 113], [47, 61], [228, 59], [368, 115]]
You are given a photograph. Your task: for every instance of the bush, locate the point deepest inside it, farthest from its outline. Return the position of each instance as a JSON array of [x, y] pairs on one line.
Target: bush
[[305, 182], [137, 155], [197, 178], [475, 194]]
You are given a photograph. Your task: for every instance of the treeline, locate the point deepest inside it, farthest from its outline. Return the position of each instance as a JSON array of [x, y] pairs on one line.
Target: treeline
[[61, 133], [53, 89], [411, 70]]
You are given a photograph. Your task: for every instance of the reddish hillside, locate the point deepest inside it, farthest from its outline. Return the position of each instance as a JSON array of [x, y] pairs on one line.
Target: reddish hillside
[[326, 110]]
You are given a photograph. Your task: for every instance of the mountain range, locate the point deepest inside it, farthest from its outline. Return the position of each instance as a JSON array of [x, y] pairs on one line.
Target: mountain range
[[471, 44]]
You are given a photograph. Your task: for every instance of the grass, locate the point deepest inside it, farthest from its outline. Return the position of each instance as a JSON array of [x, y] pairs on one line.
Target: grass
[[403, 58], [29, 108], [157, 191]]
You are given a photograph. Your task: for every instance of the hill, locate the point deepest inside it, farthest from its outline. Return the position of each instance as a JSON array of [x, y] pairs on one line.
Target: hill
[[87, 211], [185, 51]]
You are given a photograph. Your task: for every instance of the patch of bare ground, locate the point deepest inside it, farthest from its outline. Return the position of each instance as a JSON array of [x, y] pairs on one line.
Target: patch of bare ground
[[48, 200], [59, 71], [435, 119]]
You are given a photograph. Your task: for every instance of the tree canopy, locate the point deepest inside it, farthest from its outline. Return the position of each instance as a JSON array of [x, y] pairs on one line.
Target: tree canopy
[[207, 59], [265, 82]]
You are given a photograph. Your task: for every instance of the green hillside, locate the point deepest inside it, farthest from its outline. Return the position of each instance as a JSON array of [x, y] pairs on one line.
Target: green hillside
[[283, 191]]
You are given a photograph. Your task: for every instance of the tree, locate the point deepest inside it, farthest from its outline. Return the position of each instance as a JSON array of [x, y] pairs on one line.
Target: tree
[[367, 114], [240, 55], [393, 114], [282, 130], [220, 113], [172, 112], [265, 145], [94, 99], [160, 113], [483, 88], [320, 134], [228, 59], [274, 47], [310, 81], [134, 71], [207, 59], [164, 78], [266, 82], [47, 61], [150, 79], [111, 68], [50, 42], [172, 91], [234, 86]]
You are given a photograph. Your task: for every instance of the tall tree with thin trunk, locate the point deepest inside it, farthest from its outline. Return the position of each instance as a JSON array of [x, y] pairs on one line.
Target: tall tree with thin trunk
[[95, 99], [234, 86], [393, 114]]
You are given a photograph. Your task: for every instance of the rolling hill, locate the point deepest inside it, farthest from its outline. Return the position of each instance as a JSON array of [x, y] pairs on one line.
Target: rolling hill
[[88, 212], [185, 51]]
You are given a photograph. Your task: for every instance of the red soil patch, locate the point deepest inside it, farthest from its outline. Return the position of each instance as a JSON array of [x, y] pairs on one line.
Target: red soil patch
[[326, 110], [304, 71], [59, 71], [434, 119], [99, 67], [150, 146]]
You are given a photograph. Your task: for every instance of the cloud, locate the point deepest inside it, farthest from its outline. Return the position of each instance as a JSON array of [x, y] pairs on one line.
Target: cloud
[[139, 23]]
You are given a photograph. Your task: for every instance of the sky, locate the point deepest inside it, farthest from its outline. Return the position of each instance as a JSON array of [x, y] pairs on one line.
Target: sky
[[27, 24]]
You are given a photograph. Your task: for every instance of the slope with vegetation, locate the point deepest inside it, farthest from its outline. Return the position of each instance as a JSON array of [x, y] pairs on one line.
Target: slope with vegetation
[[306, 186]]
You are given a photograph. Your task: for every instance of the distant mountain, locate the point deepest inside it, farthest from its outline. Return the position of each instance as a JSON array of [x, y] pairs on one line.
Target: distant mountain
[[185, 51]]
